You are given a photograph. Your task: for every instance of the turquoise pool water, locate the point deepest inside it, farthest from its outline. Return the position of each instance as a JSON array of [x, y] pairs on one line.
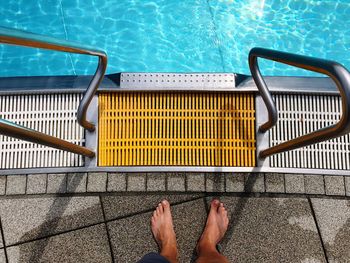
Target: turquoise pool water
[[175, 35]]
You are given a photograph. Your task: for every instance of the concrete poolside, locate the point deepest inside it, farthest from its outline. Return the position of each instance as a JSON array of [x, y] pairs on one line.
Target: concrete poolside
[[103, 217]]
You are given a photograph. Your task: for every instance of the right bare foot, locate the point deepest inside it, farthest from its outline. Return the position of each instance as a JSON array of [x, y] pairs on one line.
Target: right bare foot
[[215, 228], [163, 231]]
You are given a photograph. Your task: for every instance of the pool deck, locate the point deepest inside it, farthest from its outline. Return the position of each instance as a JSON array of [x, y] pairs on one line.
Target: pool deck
[[103, 217]]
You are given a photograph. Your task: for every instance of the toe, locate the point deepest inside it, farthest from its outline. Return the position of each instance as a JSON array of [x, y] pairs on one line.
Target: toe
[[166, 205], [158, 211], [214, 204], [221, 208], [160, 207]]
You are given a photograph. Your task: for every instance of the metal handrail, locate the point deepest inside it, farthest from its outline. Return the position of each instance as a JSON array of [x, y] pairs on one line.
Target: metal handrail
[[334, 70], [22, 38], [16, 131]]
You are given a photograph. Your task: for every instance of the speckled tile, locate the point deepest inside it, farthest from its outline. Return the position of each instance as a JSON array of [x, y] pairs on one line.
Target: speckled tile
[[130, 244], [274, 183], [16, 184], [56, 183], [294, 183], [255, 183], [215, 182], [333, 218], [116, 182], [2, 256], [76, 182], [176, 182], [196, 182], [235, 182], [84, 245], [334, 185], [29, 218], [36, 183], [97, 182], [271, 230], [136, 182], [156, 182], [122, 205], [1, 242], [347, 185], [314, 184], [2, 184]]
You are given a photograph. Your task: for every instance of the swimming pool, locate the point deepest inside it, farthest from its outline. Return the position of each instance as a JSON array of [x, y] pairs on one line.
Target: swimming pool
[[175, 36]]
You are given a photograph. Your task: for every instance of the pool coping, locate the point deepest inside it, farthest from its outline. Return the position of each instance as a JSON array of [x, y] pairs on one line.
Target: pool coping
[[134, 81], [114, 182]]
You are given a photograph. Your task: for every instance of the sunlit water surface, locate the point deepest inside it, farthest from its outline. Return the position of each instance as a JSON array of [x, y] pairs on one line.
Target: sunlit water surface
[[174, 35]]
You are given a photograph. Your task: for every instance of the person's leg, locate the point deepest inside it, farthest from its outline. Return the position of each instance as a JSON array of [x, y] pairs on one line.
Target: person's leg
[[214, 231], [163, 231]]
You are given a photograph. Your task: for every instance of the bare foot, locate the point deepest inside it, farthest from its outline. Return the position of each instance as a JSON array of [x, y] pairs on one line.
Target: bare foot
[[163, 231], [215, 228]]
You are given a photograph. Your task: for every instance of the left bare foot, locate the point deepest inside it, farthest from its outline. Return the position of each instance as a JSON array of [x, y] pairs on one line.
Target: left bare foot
[[163, 231]]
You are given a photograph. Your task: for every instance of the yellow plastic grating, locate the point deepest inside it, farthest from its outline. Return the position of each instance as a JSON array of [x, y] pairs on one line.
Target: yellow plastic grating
[[176, 129]]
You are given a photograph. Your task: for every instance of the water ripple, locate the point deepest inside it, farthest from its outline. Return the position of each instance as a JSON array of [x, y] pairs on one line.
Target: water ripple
[[176, 36]]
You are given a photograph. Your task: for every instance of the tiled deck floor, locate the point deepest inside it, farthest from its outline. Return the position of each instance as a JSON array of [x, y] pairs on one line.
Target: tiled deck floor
[[114, 227], [100, 217]]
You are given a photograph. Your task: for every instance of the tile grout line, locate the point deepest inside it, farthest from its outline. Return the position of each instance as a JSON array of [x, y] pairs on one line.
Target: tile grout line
[[216, 35], [126, 182], [107, 180], [318, 229], [150, 210], [5, 192], [105, 223], [54, 234], [66, 179], [86, 183], [345, 187], [26, 187], [47, 183], [262, 194], [166, 182], [3, 241]]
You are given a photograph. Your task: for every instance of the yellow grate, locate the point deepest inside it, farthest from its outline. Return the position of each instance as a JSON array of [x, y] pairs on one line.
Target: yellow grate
[[180, 129]]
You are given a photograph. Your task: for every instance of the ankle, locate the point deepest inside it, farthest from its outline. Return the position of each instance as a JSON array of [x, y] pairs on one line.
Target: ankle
[[170, 254], [205, 245]]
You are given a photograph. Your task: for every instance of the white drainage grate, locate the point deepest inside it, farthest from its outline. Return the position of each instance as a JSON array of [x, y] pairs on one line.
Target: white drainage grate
[[53, 114], [302, 114]]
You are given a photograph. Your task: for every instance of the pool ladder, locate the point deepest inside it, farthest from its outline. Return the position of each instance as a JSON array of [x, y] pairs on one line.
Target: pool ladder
[[192, 115]]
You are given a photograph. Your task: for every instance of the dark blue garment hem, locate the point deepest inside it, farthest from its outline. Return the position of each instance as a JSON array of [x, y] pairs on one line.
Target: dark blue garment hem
[[153, 258]]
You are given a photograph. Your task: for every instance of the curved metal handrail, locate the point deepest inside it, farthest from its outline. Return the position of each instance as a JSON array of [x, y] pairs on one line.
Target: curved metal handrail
[[22, 38], [16, 131], [334, 70]]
